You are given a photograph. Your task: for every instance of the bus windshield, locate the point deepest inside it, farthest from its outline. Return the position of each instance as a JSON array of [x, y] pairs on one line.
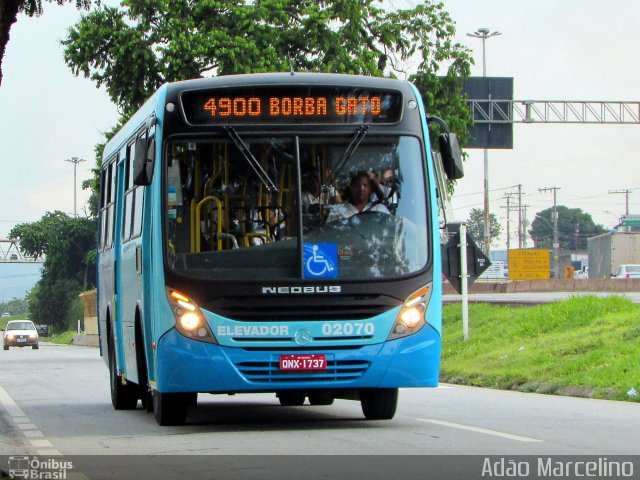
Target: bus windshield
[[247, 207]]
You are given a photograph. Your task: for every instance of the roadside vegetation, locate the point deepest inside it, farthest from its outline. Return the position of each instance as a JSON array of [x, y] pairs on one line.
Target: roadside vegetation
[[63, 338], [16, 308], [584, 346]]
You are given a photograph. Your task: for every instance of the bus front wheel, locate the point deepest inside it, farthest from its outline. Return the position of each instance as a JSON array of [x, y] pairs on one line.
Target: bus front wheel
[[321, 397], [291, 398], [379, 403], [171, 408]]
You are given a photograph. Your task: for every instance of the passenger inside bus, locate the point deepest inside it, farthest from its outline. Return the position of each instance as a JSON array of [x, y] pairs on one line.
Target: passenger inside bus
[[310, 192], [358, 198]]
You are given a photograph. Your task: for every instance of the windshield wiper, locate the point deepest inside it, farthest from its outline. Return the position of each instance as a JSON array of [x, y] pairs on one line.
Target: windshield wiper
[[251, 160], [348, 153]]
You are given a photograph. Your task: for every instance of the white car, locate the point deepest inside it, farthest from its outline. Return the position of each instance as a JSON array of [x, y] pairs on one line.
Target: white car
[[627, 271], [20, 333], [581, 274]]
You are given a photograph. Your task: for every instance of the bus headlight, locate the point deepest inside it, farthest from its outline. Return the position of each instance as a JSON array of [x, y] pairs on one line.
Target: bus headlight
[[190, 321], [411, 317]]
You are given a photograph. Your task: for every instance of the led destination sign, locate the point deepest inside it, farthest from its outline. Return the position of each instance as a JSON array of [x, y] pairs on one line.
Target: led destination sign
[[295, 104]]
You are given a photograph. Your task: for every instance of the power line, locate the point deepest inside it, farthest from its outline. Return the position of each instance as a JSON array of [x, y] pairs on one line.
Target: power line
[[492, 190]]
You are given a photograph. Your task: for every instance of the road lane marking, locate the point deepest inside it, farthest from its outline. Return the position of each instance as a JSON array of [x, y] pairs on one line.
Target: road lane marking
[[41, 443], [19, 420], [55, 453], [486, 431], [29, 429], [45, 448], [27, 426], [11, 406]]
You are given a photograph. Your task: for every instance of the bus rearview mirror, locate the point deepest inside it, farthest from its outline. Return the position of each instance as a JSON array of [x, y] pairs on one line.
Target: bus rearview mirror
[[451, 155], [143, 161]]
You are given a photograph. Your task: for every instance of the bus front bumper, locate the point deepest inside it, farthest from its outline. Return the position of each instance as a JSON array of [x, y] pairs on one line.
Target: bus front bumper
[[185, 365]]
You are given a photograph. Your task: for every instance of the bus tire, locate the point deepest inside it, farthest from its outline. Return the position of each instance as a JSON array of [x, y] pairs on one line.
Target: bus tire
[[291, 398], [171, 408], [144, 392], [321, 397], [123, 397], [379, 403]]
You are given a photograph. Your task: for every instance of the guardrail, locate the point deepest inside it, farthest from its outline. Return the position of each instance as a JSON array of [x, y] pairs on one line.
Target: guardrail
[[553, 285]]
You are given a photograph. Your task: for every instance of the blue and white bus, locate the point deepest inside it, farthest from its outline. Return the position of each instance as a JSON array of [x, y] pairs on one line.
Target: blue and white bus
[[231, 261]]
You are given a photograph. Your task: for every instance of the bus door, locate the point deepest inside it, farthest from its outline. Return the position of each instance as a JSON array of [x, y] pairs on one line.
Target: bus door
[[106, 262], [130, 262]]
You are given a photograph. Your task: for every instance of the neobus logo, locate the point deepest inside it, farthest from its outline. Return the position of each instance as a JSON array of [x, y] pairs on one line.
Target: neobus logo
[[302, 290]]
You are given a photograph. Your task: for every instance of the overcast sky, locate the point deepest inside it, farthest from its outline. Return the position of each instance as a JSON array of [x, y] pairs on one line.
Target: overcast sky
[[554, 49]]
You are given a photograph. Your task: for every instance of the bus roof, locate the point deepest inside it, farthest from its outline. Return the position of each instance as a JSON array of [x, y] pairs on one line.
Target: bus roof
[[134, 123], [252, 79], [288, 78]]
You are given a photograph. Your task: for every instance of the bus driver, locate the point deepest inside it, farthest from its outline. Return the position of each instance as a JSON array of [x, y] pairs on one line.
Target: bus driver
[[358, 199]]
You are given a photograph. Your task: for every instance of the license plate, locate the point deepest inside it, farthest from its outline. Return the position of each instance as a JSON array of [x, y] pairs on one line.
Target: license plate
[[22, 340], [312, 361]]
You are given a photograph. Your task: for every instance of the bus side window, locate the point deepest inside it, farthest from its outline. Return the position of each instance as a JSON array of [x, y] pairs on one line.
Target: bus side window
[[107, 203], [101, 207]]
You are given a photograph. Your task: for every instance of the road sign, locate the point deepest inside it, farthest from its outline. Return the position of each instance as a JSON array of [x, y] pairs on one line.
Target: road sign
[[498, 132], [630, 220], [477, 262], [529, 264], [569, 271]]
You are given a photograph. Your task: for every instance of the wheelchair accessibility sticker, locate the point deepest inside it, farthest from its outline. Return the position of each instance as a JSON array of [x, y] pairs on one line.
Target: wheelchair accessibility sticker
[[320, 260]]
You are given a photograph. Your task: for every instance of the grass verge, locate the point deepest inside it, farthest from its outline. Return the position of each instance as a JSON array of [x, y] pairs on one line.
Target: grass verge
[[584, 346], [63, 338]]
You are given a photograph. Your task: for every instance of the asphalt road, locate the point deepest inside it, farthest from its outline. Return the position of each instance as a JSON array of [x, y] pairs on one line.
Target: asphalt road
[[55, 401]]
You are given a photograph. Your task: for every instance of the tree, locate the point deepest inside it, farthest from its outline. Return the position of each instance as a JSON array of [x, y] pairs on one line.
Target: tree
[[93, 183], [475, 226], [67, 243], [135, 48], [574, 227], [15, 306], [9, 10]]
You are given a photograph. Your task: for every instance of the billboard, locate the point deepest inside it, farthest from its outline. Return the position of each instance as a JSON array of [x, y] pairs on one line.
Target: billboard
[[490, 134]]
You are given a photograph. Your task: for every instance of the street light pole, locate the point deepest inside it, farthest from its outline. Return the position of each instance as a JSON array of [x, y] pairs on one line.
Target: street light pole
[[75, 161], [483, 33]]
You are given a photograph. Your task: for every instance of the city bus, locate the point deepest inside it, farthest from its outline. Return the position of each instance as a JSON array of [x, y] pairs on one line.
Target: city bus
[[231, 261]]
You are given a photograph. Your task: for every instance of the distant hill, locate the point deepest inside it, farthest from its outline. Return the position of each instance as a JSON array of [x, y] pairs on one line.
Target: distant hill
[[16, 279]]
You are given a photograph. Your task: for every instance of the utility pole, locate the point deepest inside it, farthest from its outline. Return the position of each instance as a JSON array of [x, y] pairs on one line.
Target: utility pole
[[75, 161], [508, 197], [483, 34], [556, 244], [520, 226], [510, 208], [524, 225], [626, 193]]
